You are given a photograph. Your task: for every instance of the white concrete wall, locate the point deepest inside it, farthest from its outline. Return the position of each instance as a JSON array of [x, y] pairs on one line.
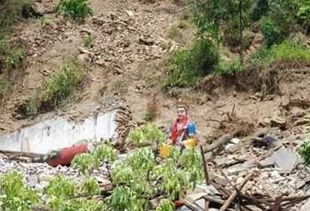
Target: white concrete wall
[[58, 133]]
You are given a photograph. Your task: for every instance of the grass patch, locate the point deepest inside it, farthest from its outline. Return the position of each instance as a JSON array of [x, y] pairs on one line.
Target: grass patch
[[75, 9], [60, 84], [5, 86], [288, 52], [304, 151], [174, 32], [88, 41], [10, 57], [228, 68], [11, 11], [55, 90], [188, 65]]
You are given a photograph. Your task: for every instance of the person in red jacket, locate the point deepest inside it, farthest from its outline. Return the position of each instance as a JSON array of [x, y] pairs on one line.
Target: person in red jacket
[[182, 128]]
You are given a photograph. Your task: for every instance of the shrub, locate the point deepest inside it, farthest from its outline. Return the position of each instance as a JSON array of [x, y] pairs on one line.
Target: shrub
[[59, 190], [146, 135], [13, 57], [270, 31], [261, 8], [4, 87], [14, 193], [187, 66], [304, 151], [85, 163], [84, 205], [10, 57], [287, 52], [61, 83], [151, 109], [228, 68], [303, 17], [90, 186], [88, 41], [10, 11], [105, 153], [75, 9], [165, 205]]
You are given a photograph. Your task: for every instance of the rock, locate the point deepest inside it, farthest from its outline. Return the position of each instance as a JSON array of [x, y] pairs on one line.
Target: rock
[[278, 122], [266, 142], [297, 112], [285, 159], [98, 20], [306, 206], [87, 31], [84, 58], [302, 122], [235, 140], [39, 8], [129, 13]]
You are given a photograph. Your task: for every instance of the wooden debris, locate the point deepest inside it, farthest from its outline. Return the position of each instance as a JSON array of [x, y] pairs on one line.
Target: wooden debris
[[235, 193]]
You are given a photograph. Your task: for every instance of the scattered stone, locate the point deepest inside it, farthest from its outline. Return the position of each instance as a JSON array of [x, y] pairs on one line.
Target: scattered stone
[[266, 142], [285, 159], [306, 206], [302, 122], [84, 58], [278, 122]]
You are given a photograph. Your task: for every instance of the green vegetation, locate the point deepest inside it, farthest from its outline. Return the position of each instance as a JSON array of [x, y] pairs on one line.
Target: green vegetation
[[87, 162], [105, 153], [188, 65], [288, 52], [11, 11], [303, 17], [136, 179], [75, 9], [5, 86], [228, 68], [151, 109], [90, 186], [62, 195], [14, 195], [174, 176], [10, 57], [145, 135], [232, 26], [304, 151], [88, 41], [55, 90], [45, 21], [271, 32], [165, 205], [61, 83]]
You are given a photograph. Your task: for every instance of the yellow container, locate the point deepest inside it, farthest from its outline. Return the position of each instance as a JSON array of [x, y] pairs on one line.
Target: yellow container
[[190, 143], [165, 150]]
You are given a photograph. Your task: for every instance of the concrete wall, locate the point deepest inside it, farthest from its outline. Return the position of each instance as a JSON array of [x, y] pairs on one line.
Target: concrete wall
[[58, 133]]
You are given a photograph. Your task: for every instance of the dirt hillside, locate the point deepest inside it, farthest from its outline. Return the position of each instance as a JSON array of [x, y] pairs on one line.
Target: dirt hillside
[[125, 65]]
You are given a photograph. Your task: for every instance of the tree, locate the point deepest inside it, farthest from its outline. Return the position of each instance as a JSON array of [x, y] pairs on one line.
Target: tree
[[223, 20]]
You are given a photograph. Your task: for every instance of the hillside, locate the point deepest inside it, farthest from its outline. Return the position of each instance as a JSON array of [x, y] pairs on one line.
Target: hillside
[[121, 56]]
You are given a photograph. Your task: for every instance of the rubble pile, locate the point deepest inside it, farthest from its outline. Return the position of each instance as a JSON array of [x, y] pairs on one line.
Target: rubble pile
[[252, 176], [38, 175]]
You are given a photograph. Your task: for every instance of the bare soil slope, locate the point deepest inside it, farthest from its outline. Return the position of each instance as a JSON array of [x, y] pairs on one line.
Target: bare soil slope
[[125, 66]]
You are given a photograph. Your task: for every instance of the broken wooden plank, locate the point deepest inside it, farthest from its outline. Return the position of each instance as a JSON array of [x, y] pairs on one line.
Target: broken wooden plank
[[277, 204], [235, 193], [219, 142], [205, 165]]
